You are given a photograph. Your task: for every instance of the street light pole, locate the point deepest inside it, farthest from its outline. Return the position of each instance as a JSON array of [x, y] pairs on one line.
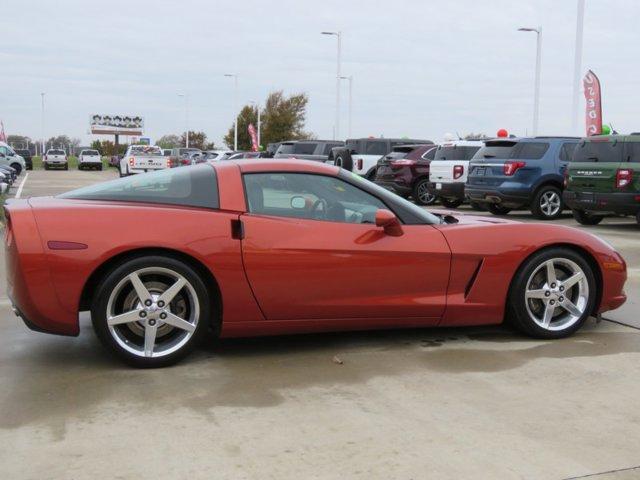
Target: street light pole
[[536, 91], [338, 75], [350, 78], [42, 147], [577, 66], [235, 108], [186, 117]]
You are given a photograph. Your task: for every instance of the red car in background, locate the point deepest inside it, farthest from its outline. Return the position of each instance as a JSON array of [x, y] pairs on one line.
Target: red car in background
[[405, 171], [263, 247]]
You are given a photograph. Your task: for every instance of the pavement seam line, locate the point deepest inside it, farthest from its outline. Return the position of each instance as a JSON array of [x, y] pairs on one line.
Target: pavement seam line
[[624, 325], [628, 469]]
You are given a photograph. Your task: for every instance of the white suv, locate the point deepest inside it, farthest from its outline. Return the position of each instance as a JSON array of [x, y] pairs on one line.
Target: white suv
[[56, 158], [89, 159]]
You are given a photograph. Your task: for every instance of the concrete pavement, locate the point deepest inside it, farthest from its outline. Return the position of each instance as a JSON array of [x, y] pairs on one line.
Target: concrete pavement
[[431, 403]]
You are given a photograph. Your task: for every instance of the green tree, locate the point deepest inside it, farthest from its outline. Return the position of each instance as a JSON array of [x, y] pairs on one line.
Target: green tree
[[197, 140], [169, 141], [97, 145], [248, 115], [282, 118], [18, 141]]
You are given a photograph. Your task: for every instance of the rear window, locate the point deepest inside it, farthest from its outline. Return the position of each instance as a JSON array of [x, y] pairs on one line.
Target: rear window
[[193, 186], [304, 148], [500, 150], [329, 146], [429, 154], [455, 152], [146, 151], [90, 152], [566, 151], [56, 152], [608, 152], [632, 152], [530, 150], [375, 148]]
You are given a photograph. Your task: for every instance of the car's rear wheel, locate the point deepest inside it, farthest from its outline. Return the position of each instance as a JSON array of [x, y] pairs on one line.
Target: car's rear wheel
[[17, 167], [421, 193], [552, 294], [585, 218], [547, 203], [151, 311], [46, 167], [66, 167], [477, 206], [496, 209], [450, 203]]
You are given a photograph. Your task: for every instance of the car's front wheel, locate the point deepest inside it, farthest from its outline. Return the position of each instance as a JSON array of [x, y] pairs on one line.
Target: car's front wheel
[[450, 203], [547, 203], [421, 193], [584, 218], [17, 167], [151, 311], [496, 209], [552, 294]]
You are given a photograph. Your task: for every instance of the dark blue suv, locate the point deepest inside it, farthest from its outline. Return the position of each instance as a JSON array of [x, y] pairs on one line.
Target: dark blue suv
[[512, 173]]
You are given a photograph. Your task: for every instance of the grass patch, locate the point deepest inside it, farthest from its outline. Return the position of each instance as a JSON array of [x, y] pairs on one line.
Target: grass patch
[[73, 163]]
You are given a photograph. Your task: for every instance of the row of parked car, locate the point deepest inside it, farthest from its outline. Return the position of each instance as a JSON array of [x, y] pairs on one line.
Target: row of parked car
[[593, 176], [11, 165]]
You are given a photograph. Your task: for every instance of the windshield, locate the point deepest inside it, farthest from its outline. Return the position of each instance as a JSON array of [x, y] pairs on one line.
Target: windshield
[[391, 198]]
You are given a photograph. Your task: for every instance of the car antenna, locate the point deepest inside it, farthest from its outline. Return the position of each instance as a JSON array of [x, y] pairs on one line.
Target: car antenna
[[459, 137]]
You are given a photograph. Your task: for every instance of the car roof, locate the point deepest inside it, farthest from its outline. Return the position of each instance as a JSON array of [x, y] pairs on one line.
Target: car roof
[[289, 165]]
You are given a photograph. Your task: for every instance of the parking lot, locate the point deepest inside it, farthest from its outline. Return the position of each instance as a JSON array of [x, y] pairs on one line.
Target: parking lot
[[431, 403]]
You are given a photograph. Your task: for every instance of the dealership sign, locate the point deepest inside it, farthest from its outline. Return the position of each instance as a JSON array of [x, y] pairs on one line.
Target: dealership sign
[[116, 125], [593, 116]]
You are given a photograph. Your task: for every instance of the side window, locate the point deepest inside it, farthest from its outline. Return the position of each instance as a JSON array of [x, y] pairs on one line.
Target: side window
[[566, 151], [313, 197], [329, 146], [4, 151], [632, 152]]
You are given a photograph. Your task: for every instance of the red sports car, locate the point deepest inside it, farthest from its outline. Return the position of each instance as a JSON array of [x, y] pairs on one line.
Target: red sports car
[[264, 247]]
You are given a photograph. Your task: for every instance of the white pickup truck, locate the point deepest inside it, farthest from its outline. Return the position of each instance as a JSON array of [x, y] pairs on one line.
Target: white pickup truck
[[143, 158], [449, 169]]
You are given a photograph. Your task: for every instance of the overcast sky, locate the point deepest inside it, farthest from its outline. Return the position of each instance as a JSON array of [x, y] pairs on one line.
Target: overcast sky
[[421, 68]]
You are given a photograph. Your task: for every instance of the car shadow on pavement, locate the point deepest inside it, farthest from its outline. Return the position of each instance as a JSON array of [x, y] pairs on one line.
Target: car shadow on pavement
[[56, 378]]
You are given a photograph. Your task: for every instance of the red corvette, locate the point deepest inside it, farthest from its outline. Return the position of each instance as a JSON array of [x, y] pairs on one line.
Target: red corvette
[[271, 247]]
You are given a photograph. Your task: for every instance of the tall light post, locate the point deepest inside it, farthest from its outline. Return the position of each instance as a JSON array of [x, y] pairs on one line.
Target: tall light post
[[338, 35], [536, 92], [186, 117], [235, 108], [577, 66], [350, 78], [42, 147], [253, 102]]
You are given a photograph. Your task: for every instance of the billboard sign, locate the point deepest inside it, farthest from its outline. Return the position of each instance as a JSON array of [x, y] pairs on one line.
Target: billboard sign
[[117, 125]]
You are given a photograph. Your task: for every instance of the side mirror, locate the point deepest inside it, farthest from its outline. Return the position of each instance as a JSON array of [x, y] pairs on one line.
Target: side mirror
[[2, 155], [389, 222]]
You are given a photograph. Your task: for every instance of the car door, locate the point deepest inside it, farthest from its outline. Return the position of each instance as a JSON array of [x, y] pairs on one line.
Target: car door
[[311, 250]]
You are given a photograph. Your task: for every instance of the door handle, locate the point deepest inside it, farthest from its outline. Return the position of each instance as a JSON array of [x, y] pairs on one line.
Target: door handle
[[237, 229]]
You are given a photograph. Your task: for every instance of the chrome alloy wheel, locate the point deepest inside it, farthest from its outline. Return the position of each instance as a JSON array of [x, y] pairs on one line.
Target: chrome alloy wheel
[[423, 194], [550, 203], [152, 312], [557, 294]]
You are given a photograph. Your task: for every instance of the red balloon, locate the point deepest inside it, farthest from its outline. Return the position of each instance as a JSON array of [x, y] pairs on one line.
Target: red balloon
[[502, 133]]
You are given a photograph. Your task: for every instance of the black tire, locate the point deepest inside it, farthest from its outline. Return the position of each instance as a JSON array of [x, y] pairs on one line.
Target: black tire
[[119, 274], [17, 167], [547, 203], [344, 160], [638, 217], [478, 207], [46, 167], [584, 218], [518, 313], [371, 176], [66, 167], [100, 168], [450, 203], [496, 209], [421, 194]]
